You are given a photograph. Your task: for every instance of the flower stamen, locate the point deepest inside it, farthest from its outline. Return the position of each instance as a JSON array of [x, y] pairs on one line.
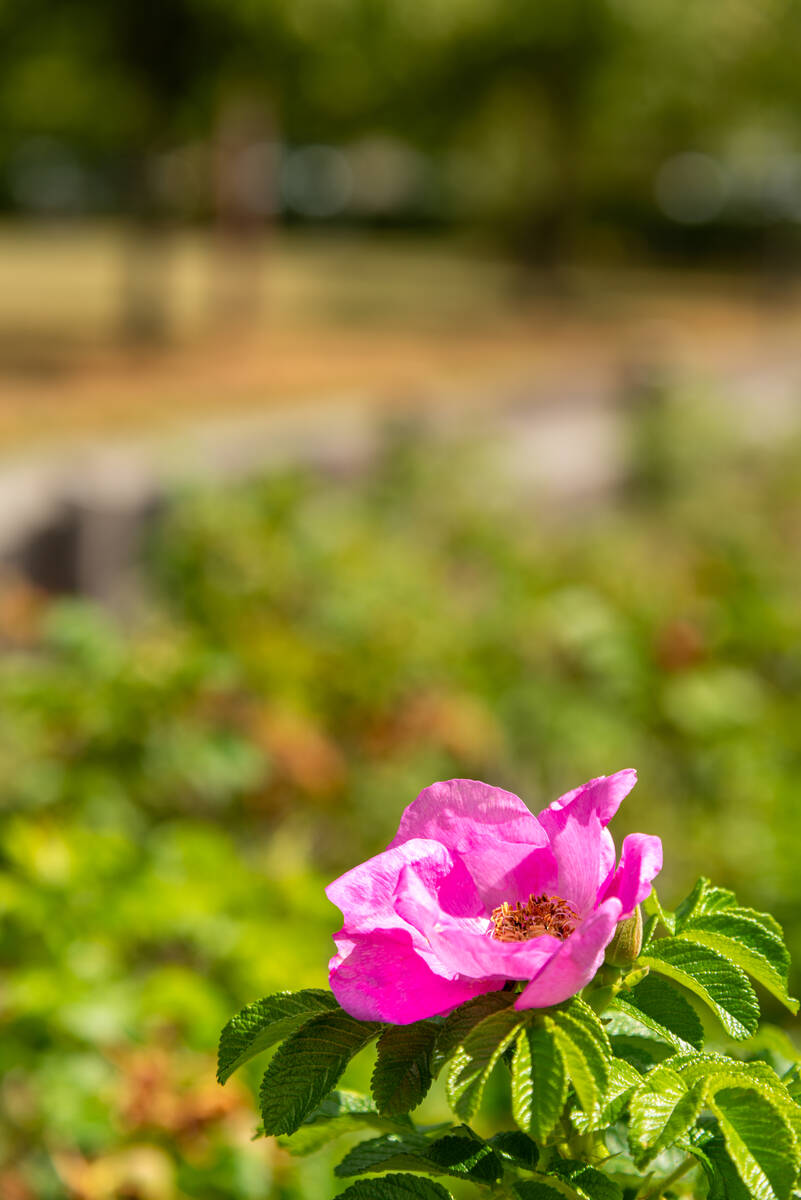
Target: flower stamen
[[540, 914]]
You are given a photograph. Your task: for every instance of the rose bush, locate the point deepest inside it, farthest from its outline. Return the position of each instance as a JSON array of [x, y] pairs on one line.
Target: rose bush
[[613, 1092], [475, 890]]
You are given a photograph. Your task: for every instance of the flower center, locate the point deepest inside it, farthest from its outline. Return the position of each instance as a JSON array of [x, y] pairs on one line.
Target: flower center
[[540, 914]]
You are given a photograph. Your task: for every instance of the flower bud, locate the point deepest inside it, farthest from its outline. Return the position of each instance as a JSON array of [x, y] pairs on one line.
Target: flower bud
[[626, 944]]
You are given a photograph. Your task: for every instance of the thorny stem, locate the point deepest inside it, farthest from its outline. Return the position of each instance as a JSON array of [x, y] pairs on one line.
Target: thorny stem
[[662, 1187]]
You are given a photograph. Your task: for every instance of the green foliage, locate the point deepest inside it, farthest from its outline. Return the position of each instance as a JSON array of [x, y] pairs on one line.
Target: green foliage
[[176, 791], [307, 1066], [576, 1096], [717, 981], [396, 1187], [459, 1024], [474, 1059], [585, 1050], [539, 1082], [461, 1156], [402, 1074], [263, 1024], [341, 1112], [663, 1011]]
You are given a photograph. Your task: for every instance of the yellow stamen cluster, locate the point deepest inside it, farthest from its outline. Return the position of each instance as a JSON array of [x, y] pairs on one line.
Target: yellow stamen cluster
[[540, 914]]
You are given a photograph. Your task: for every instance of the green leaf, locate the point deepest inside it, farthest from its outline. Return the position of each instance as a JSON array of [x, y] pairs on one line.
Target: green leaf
[[760, 1143], [515, 1146], [746, 938], [721, 1072], [307, 1066], [461, 1155], [580, 1011], [535, 1189], [717, 1075], [476, 1056], [623, 1081], [704, 898], [574, 1180], [457, 1025], [649, 930], [266, 1022], [586, 1180], [340, 1113], [652, 907], [539, 1082], [394, 1151], [662, 1110], [792, 1081], [402, 1074], [720, 984], [663, 1010], [467, 1157], [584, 1057], [724, 1182], [395, 1187], [633, 1044]]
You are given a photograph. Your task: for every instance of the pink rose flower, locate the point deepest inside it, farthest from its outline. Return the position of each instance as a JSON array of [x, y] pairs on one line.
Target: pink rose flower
[[475, 890]]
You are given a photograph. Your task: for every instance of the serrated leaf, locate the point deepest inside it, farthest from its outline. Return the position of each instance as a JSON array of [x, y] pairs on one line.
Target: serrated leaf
[[792, 1081], [717, 1071], [466, 1158], [704, 898], [624, 1079], [402, 1074], [341, 1112], [457, 1025], [580, 1011], [750, 940], [395, 1187], [475, 1058], [723, 1181], [307, 1066], [632, 1043], [660, 1008], [652, 907], [661, 1111], [535, 1189], [460, 1155], [394, 1151], [265, 1023], [539, 1082], [649, 931], [709, 1065], [722, 985], [587, 1181], [759, 1141], [517, 1147], [584, 1058], [760, 1077], [569, 1181]]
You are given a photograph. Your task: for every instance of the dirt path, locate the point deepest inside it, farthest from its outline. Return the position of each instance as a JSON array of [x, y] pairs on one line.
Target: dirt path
[[89, 447]]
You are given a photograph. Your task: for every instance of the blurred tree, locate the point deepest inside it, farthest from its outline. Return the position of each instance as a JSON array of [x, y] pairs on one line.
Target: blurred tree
[[540, 120]]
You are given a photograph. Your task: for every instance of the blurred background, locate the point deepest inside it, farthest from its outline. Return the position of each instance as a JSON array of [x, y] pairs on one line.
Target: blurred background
[[388, 392]]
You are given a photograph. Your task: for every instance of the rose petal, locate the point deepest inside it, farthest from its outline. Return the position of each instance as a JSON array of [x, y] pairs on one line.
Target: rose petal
[[501, 842], [640, 863], [456, 946], [606, 793], [577, 961], [583, 849], [382, 978], [366, 894]]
